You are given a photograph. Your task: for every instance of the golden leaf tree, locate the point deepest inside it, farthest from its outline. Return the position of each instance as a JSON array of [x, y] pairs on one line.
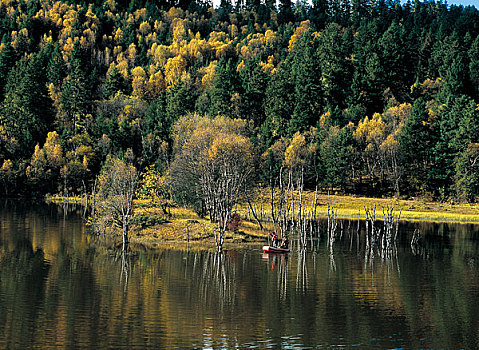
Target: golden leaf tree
[[214, 162]]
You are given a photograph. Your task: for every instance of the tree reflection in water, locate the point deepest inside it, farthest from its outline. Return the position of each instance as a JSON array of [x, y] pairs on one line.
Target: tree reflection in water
[[124, 258], [24, 270], [302, 272], [61, 287], [216, 275], [279, 263]]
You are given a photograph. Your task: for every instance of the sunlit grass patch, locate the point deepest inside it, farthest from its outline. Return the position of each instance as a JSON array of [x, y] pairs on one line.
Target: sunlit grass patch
[[154, 227], [349, 206]]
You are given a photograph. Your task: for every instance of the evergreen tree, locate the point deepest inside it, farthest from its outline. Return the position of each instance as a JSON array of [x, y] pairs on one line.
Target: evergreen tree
[[359, 10], [466, 180], [336, 157], [26, 112], [373, 84], [225, 9], [360, 57], [114, 83], [254, 81], [336, 13], [336, 71], [368, 78], [180, 101], [308, 95], [225, 84], [458, 123], [157, 120], [444, 52], [57, 68], [285, 14], [394, 53], [319, 13], [455, 79], [7, 61], [474, 66], [417, 139], [279, 103], [423, 65], [74, 99]]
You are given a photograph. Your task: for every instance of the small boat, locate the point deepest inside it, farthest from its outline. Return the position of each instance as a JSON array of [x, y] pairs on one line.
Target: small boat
[[271, 249]]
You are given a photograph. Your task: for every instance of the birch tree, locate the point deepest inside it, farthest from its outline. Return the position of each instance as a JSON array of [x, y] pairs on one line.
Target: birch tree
[[213, 163], [117, 186]]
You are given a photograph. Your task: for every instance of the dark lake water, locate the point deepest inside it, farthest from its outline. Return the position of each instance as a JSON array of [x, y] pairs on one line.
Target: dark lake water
[[60, 288]]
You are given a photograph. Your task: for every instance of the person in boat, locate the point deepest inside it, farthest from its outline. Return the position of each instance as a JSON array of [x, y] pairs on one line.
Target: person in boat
[[274, 239], [284, 243]]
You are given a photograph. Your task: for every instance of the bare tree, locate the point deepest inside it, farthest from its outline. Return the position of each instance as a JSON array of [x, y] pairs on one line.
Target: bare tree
[[117, 185], [223, 173], [213, 164]]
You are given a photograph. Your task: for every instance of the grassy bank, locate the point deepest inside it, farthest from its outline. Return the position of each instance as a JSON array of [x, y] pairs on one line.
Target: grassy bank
[[411, 210], [153, 228], [184, 225]]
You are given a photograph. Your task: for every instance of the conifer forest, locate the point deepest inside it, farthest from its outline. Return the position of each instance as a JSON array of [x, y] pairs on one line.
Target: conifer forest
[[375, 98]]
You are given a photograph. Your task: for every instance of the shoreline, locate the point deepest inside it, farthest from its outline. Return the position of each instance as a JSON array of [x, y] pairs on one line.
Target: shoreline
[[184, 225]]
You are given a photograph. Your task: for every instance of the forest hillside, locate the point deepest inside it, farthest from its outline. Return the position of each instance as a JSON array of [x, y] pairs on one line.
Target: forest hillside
[[358, 97]]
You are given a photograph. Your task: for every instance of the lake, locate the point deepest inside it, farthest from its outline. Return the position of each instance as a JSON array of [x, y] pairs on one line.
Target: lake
[[61, 288]]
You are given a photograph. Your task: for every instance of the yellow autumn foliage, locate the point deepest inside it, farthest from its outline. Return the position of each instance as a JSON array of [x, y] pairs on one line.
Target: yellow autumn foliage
[[132, 54], [161, 54], [139, 82], [390, 144], [174, 13], [123, 68], [175, 67], [156, 84], [118, 36], [145, 28], [300, 30], [371, 130], [209, 75], [7, 166], [240, 66], [53, 149], [268, 67], [297, 152], [153, 186]]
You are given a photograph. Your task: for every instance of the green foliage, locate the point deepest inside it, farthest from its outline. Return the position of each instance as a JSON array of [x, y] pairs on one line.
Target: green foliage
[[114, 83], [474, 66], [7, 61], [26, 110], [279, 102], [120, 75], [57, 69], [337, 157], [467, 173], [417, 139], [180, 100], [308, 86], [396, 59], [225, 85], [333, 52], [145, 221], [253, 82]]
